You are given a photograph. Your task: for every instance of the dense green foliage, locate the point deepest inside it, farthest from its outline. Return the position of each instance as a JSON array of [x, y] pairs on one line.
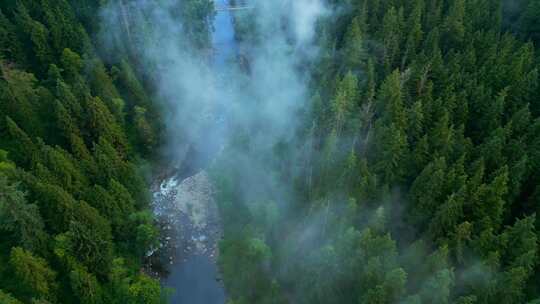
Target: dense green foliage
[[74, 219], [420, 182], [414, 179]]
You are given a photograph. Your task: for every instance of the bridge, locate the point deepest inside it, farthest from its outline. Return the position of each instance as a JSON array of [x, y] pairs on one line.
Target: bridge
[[224, 5], [232, 8]]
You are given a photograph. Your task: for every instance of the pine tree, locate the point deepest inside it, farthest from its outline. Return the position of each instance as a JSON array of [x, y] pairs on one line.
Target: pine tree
[[415, 35], [8, 299], [35, 276], [36, 35], [11, 47], [345, 101], [21, 100], [144, 290], [391, 33], [22, 147], [454, 24], [85, 286], [354, 50], [427, 189], [20, 218], [390, 101], [530, 26], [103, 125], [72, 65], [145, 132], [89, 239]]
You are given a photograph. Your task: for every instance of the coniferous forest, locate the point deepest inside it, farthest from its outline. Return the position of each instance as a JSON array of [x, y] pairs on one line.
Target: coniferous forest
[[422, 183], [74, 134], [412, 175]]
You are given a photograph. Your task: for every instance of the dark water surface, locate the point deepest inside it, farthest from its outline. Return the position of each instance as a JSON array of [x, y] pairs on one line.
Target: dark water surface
[[194, 281], [193, 277]]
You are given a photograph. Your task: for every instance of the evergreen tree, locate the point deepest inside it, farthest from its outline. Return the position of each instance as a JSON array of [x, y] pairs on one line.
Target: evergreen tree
[[19, 218], [35, 277]]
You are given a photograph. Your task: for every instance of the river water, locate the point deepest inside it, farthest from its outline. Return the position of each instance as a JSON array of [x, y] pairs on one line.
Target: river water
[[184, 204]]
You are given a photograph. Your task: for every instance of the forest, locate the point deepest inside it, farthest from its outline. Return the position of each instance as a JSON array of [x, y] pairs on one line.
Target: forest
[[75, 137], [410, 175], [417, 177]]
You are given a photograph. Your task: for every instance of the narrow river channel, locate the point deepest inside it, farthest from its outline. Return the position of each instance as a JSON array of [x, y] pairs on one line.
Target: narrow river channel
[[184, 202]]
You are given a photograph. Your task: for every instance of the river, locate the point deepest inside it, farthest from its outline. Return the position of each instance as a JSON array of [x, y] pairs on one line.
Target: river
[[184, 204]]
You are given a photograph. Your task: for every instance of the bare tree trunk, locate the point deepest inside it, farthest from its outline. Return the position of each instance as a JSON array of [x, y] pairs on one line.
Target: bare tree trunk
[[326, 217], [125, 20]]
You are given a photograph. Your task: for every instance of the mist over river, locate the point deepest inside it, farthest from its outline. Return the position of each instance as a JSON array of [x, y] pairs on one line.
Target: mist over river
[[184, 201]]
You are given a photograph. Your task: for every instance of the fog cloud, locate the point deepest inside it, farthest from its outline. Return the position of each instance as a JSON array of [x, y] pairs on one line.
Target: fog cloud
[[205, 103]]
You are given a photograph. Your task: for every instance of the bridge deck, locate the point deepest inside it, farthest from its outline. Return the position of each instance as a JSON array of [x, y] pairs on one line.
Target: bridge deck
[[232, 8]]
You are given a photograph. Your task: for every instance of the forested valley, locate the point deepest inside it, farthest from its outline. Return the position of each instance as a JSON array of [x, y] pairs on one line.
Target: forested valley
[[376, 151]]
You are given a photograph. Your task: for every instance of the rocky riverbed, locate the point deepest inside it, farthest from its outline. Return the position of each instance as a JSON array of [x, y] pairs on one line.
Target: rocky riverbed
[[188, 216], [190, 231]]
